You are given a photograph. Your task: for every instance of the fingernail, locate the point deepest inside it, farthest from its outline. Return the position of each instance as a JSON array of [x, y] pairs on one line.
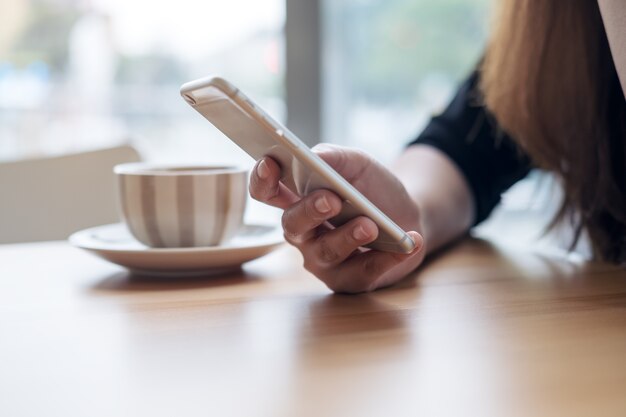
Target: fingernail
[[359, 233], [419, 242], [321, 205], [262, 170]]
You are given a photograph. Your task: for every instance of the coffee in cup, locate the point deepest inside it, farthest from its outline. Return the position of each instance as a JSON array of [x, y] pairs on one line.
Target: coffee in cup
[[182, 206]]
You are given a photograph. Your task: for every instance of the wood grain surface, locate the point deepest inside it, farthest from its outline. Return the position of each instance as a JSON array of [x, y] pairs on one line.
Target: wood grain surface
[[481, 330]]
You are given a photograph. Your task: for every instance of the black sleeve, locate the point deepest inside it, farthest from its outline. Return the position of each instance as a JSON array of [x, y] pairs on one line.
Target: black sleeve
[[489, 159]]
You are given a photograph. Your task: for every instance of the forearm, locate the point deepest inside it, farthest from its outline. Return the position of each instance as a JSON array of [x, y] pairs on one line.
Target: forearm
[[614, 18], [440, 191]]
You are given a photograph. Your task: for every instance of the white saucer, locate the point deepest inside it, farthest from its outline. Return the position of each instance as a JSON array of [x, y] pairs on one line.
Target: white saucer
[[114, 243]]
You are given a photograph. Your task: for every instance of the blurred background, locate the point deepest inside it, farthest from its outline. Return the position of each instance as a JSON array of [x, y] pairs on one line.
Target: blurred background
[[78, 74]]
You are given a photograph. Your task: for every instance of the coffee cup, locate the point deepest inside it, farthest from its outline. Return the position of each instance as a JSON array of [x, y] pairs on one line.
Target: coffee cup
[[181, 206]]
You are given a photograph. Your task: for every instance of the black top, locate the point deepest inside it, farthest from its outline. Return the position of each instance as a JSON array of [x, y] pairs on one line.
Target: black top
[[488, 158]]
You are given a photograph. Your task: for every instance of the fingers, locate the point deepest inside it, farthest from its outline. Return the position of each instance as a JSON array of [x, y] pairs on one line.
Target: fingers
[[374, 269], [333, 255], [302, 218], [265, 185], [329, 249]]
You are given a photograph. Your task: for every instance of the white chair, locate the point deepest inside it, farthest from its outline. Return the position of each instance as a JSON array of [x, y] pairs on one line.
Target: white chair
[[50, 198]]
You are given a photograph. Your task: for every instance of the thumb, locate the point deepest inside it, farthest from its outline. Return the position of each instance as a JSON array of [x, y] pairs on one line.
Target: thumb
[[348, 162]]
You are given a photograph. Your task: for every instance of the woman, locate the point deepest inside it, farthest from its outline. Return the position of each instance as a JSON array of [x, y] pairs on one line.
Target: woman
[[549, 80]]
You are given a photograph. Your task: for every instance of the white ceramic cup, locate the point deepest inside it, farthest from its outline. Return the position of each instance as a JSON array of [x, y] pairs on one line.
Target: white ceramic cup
[[182, 206]]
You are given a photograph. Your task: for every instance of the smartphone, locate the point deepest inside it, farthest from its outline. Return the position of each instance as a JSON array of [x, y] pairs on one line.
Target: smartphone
[[302, 171]]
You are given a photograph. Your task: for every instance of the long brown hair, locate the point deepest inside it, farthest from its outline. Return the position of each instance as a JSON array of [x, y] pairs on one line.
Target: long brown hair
[[549, 79]]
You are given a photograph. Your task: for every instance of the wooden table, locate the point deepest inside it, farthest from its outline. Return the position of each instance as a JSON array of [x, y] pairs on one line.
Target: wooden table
[[480, 331]]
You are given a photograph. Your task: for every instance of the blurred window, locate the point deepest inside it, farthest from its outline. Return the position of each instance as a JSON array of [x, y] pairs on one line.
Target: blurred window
[[390, 64], [80, 74], [85, 74]]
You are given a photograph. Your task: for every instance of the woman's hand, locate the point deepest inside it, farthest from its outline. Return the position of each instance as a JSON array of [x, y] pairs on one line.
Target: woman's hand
[[334, 255]]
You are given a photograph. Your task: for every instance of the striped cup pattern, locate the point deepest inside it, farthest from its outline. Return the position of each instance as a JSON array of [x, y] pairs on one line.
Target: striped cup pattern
[[177, 207]]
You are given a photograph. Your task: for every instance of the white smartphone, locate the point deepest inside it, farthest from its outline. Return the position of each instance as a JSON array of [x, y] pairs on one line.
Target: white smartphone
[[302, 171]]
